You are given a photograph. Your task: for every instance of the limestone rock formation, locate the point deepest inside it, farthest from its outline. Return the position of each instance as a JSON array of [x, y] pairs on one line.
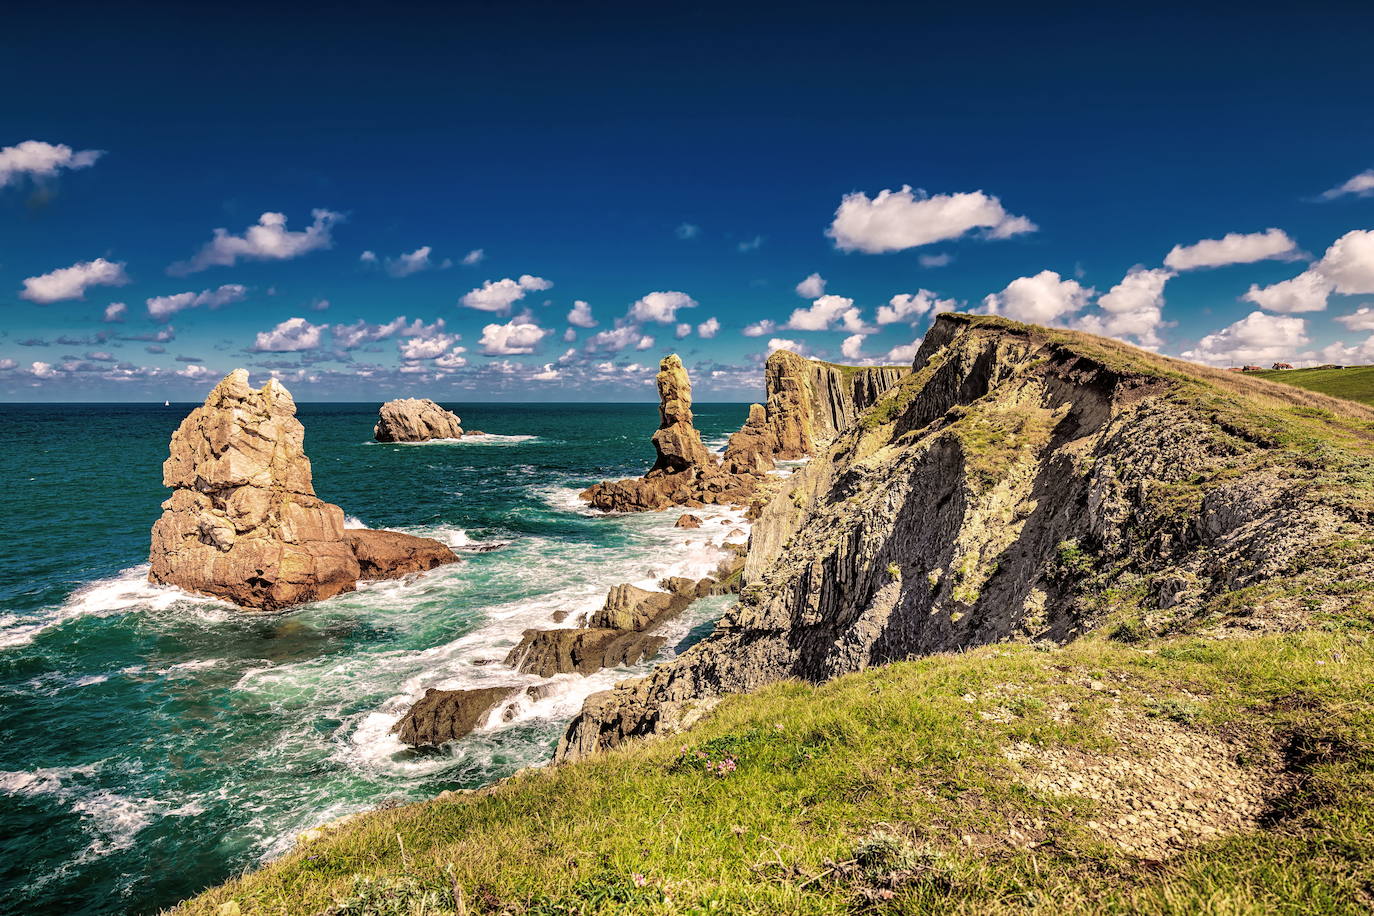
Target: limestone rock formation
[[810, 402], [243, 522], [1008, 488], [751, 449], [415, 420], [446, 715]]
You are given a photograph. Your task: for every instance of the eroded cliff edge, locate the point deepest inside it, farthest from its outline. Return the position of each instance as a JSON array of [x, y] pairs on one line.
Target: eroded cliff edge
[[1025, 483]]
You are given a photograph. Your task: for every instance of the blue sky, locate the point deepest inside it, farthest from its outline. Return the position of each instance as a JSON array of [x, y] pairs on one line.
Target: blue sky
[[681, 171]]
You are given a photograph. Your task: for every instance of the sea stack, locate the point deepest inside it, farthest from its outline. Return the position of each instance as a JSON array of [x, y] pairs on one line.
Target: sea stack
[[243, 522], [415, 420], [810, 401]]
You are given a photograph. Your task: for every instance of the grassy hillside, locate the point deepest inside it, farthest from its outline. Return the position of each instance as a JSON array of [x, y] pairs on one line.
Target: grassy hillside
[[1354, 383]]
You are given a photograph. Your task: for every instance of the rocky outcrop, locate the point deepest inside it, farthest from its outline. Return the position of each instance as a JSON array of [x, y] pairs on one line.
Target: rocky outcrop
[[685, 472], [415, 420], [243, 522], [629, 607], [446, 715], [584, 650], [810, 402], [1020, 483], [392, 554], [751, 449]]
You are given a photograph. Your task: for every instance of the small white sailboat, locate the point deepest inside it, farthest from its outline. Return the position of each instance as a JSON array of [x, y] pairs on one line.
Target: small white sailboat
[[166, 403]]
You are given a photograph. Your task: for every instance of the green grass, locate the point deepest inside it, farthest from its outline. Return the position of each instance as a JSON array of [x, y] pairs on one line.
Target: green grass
[[888, 790], [1353, 383]]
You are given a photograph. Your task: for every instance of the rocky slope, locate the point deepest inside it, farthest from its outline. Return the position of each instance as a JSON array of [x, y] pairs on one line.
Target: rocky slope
[[243, 522], [810, 401], [1023, 483], [415, 420]]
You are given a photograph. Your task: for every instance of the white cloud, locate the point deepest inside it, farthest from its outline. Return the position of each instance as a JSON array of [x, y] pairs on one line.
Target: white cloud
[[1233, 248], [935, 260], [687, 231], [196, 371], [518, 336], [44, 370], [760, 328], [269, 240], [1362, 319], [351, 336], [1133, 308], [852, 347], [661, 306], [547, 374], [500, 295], [71, 282], [622, 336], [453, 359], [824, 313], [412, 263], [1041, 299], [903, 353], [368, 257], [291, 336], [782, 343], [581, 315], [161, 307], [708, 328], [569, 335], [36, 159], [908, 308], [1257, 338], [896, 220], [116, 311], [812, 287], [415, 348], [682, 330], [7, 364], [1362, 184], [753, 244], [1346, 268], [475, 256]]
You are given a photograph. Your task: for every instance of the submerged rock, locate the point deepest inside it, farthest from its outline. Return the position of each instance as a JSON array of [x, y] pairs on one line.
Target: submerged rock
[[243, 522], [415, 420], [445, 715]]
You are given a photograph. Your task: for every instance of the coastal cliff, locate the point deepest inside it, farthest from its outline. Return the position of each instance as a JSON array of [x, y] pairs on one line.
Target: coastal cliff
[[809, 402], [1020, 483]]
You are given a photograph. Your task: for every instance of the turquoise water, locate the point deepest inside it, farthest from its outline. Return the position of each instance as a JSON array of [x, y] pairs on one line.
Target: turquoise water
[[153, 743]]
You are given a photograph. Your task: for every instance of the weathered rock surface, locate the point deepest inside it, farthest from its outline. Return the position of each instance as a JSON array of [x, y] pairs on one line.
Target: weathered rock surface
[[392, 554], [810, 402], [243, 522], [415, 420], [445, 715], [581, 651], [687, 521], [751, 449], [1006, 485], [629, 607]]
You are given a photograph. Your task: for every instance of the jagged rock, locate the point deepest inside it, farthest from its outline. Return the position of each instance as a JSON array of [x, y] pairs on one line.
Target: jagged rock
[[677, 441], [445, 715], [751, 449], [1015, 476], [629, 607], [474, 432], [243, 522], [810, 402], [415, 420], [392, 554], [688, 521], [582, 651]]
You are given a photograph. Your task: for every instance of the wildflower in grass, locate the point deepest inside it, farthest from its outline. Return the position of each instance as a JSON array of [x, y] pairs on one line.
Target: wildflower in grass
[[639, 879]]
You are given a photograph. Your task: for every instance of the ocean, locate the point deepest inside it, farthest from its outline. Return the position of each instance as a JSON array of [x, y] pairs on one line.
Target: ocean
[[153, 743]]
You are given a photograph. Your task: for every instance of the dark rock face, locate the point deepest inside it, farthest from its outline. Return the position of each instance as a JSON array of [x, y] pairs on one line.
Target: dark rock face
[[446, 715], [581, 651], [391, 554], [1010, 467], [415, 420]]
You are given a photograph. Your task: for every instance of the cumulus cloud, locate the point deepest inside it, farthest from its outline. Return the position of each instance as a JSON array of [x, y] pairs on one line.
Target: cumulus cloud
[[197, 371], [1232, 248], [1256, 338], [708, 328], [824, 313], [475, 256], [500, 295], [622, 336], [903, 353], [581, 315], [782, 343], [72, 282], [36, 159], [852, 347], [1133, 308], [760, 328], [416, 348], [115, 312], [7, 364], [1042, 299], [686, 231], [547, 374], [268, 240], [44, 370], [453, 359], [368, 257], [352, 336], [1347, 268], [909, 308], [1362, 184], [896, 220], [163, 307], [291, 336], [1362, 319], [661, 306], [518, 336], [812, 287], [682, 330], [413, 263]]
